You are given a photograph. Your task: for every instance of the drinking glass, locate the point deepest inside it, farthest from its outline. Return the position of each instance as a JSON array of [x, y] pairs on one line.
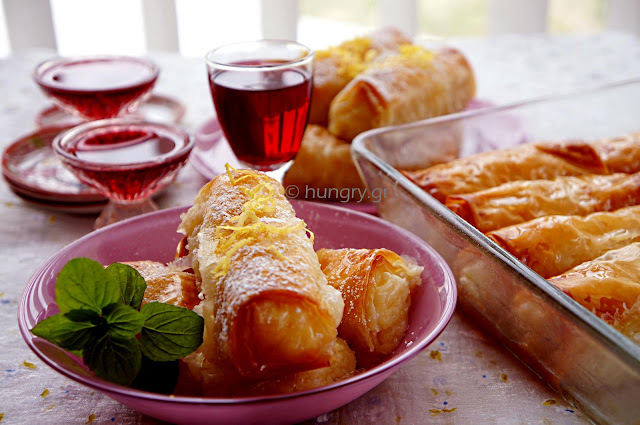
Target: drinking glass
[[98, 87], [126, 160], [261, 92]]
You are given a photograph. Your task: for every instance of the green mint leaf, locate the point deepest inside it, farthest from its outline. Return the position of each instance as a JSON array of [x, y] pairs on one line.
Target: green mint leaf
[[123, 321], [169, 332], [66, 333], [84, 316], [157, 377], [84, 284], [132, 284], [113, 359]]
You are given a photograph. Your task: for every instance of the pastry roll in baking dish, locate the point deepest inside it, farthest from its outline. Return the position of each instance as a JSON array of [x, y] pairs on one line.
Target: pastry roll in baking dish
[[336, 66], [522, 200], [323, 162], [545, 160], [376, 285], [608, 285], [408, 86], [628, 323], [554, 244], [620, 154], [268, 308]]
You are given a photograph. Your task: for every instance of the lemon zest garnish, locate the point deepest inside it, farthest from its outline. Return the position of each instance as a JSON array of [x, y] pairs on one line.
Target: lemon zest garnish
[[245, 227], [353, 56], [223, 266], [357, 55], [272, 249], [408, 54]]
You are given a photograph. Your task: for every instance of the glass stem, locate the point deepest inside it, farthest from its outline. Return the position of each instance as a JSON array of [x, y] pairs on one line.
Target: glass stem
[[117, 211]]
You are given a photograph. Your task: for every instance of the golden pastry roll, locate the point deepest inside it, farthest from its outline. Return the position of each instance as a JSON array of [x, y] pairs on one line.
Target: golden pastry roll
[[554, 244], [628, 323], [525, 162], [166, 285], [411, 85], [202, 376], [198, 377], [620, 154], [268, 308], [342, 366], [608, 285], [376, 286], [322, 168], [336, 66], [523, 200]]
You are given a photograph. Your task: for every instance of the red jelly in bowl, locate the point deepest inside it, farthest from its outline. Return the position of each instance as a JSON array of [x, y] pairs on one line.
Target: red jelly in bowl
[[97, 87], [125, 160]]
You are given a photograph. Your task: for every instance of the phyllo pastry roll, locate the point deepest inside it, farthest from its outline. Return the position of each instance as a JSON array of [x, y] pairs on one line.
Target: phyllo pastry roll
[[324, 162], [166, 285], [526, 162], [608, 285], [376, 286], [520, 201], [620, 154], [408, 86], [554, 244], [628, 322], [268, 308], [198, 377], [341, 366], [336, 66]]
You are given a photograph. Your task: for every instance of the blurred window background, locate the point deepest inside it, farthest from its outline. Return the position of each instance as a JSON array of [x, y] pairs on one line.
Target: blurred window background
[[117, 26]]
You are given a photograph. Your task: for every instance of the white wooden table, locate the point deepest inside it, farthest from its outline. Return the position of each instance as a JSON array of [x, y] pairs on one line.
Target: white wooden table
[[462, 372]]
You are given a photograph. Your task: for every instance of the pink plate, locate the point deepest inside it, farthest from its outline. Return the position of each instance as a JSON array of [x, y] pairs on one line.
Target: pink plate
[[157, 108], [153, 237]]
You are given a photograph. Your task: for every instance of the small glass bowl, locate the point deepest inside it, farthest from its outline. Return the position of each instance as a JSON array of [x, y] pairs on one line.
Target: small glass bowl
[[125, 160]]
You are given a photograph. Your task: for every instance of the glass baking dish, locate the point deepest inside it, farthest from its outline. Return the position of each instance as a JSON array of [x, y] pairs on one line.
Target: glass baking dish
[[589, 363]]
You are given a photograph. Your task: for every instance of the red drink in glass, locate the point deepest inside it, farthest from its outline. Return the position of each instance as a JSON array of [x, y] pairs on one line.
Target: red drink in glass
[[126, 161], [261, 92], [274, 109], [97, 88]]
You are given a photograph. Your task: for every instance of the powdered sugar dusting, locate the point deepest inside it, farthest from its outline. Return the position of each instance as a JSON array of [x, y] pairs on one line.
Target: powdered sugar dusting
[[264, 263]]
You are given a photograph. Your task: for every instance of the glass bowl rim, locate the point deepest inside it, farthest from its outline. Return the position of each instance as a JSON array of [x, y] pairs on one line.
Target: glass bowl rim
[[42, 67], [69, 159]]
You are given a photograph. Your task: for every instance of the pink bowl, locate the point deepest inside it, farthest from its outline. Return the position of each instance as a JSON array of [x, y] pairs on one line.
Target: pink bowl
[[153, 237]]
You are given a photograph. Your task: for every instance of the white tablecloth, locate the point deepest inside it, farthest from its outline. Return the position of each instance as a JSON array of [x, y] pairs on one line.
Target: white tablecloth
[[462, 371]]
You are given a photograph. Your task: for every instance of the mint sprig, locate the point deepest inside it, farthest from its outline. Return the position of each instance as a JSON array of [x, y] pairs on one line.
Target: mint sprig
[[84, 284], [132, 285], [169, 332], [115, 359], [100, 318], [66, 333]]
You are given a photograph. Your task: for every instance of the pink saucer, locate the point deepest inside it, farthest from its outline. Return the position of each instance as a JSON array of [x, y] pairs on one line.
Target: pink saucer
[[80, 208], [37, 176], [157, 108], [30, 165], [153, 237]]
